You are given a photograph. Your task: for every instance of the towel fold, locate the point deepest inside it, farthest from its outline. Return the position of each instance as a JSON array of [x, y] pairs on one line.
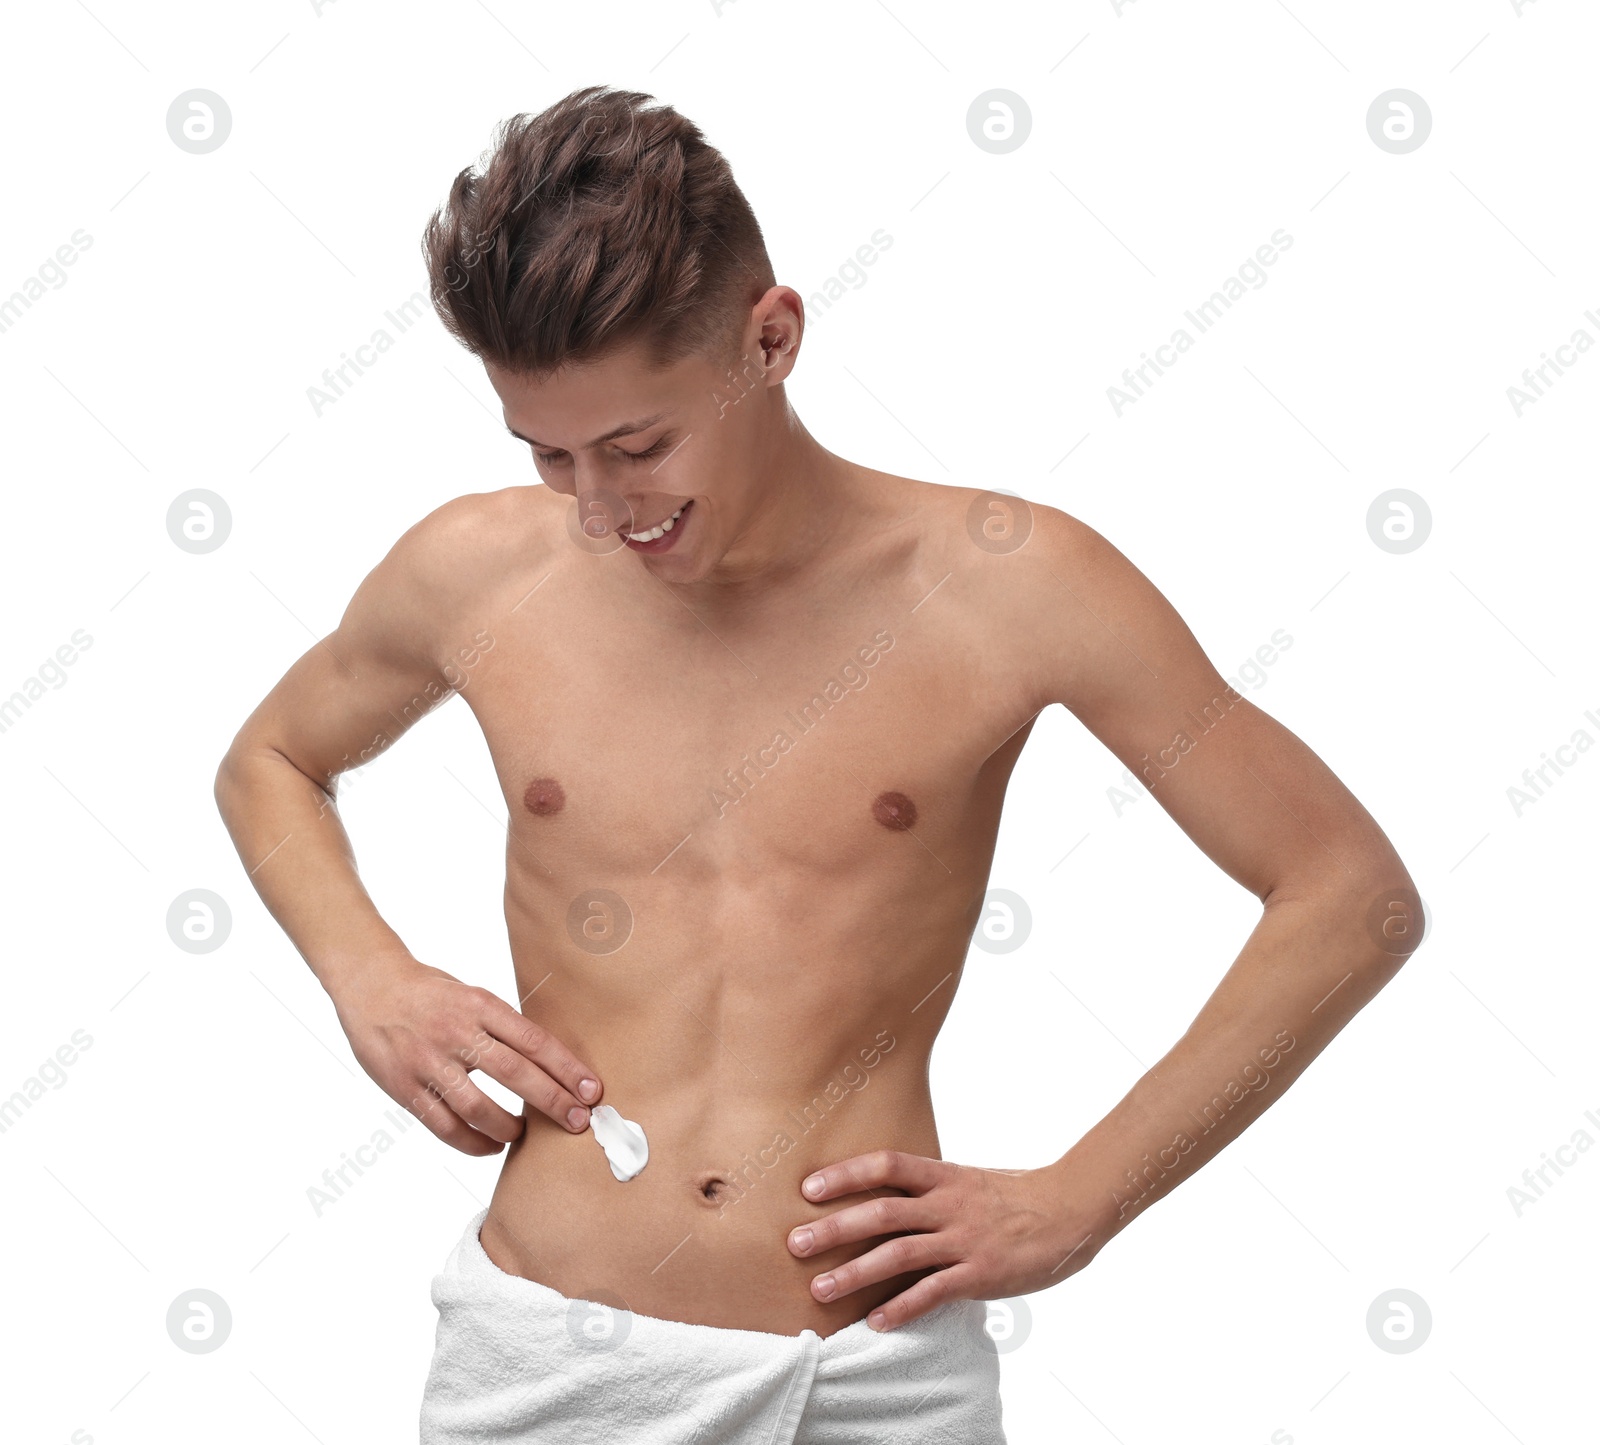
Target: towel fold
[[515, 1360]]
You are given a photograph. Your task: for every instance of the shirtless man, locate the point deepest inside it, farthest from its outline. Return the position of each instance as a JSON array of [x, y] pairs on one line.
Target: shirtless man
[[754, 770]]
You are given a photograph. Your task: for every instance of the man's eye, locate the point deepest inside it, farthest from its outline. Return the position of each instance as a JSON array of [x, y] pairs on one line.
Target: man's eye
[[549, 458], [655, 450]]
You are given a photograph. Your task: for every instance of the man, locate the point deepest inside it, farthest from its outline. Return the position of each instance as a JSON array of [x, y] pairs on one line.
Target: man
[[753, 708]]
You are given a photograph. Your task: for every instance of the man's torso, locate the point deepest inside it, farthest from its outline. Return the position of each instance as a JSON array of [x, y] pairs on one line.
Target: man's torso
[[749, 841]]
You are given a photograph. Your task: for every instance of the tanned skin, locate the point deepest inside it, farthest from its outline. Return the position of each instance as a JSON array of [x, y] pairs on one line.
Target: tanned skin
[[750, 947]]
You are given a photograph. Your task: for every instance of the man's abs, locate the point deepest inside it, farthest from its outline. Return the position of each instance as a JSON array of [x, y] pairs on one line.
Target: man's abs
[[700, 1234]]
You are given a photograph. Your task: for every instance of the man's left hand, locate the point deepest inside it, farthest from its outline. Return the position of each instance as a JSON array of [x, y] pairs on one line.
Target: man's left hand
[[986, 1233]]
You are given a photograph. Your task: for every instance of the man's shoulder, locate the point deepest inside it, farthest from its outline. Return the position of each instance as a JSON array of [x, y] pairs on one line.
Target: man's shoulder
[[989, 526], [1039, 582], [476, 541], [995, 579], [483, 526], [452, 565]]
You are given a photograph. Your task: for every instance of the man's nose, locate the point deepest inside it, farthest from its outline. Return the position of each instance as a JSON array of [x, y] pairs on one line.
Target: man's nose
[[602, 510]]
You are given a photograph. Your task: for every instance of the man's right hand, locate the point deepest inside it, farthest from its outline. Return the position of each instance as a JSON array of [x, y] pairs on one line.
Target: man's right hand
[[419, 1032]]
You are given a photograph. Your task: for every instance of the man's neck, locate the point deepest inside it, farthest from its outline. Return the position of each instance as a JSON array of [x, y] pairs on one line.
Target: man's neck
[[807, 501]]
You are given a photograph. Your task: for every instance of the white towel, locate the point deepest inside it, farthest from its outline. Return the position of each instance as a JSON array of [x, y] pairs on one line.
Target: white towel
[[515, 1360]]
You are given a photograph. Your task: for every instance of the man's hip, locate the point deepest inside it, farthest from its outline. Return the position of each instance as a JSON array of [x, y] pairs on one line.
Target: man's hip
[[516, 1360]]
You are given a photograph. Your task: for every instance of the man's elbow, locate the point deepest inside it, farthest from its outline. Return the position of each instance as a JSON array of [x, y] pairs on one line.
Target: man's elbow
[[225, 785], [1371, 902], [1383, 899], [232, 776]]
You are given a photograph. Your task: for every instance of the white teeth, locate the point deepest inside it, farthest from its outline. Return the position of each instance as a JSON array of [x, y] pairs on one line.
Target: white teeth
[[657, 531]]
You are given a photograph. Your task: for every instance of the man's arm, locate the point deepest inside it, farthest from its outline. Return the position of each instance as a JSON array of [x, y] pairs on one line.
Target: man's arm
[[415, 1029], [1339, 915], [1340, 912]]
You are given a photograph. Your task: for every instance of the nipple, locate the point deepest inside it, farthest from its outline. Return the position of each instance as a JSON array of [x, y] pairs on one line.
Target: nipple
[[627, 1152], [544, 797], [894, 811]]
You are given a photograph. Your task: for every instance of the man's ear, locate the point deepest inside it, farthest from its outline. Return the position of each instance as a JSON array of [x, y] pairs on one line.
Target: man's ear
[[782, 322]]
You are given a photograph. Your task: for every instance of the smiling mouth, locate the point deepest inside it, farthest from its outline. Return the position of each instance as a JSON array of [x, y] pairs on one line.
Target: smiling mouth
[[650, 539]]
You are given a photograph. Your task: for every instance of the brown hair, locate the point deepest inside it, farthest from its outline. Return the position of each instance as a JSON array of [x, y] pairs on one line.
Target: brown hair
[[595, 223]]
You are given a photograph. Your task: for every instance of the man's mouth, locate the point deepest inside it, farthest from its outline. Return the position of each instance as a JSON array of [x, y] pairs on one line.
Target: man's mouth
[[659, 537]]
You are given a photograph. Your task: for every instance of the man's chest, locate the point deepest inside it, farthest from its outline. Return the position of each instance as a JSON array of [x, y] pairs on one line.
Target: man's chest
[[843, 738]]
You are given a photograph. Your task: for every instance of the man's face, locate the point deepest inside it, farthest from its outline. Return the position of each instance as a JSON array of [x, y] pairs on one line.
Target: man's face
[[636, 445]]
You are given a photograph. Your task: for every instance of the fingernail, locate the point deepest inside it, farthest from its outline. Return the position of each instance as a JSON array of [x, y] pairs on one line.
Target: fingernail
[[577, 1117], [875, 1320], [813, 1185], [802, 1240], [587, 1089], [822, 1287]]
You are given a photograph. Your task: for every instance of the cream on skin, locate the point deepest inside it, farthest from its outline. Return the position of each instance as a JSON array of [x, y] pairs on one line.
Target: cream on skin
[[622, 1139]]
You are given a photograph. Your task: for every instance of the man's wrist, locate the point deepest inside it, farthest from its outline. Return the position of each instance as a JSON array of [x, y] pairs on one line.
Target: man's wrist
[[1084, 1182], [348, 971]]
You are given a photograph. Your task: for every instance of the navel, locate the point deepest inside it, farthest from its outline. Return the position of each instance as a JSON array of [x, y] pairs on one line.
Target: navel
[[894, 810], [544, 797], [713, 1188]]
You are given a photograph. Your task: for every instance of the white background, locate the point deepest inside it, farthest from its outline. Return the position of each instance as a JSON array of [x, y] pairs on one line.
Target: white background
[[1165, 146]]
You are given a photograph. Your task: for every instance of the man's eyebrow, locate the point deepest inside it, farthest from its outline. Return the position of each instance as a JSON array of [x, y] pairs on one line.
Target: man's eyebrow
[[617, 431]]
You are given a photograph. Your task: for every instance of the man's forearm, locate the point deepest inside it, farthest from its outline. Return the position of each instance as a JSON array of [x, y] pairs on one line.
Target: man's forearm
[[1308, 967], [295, 849]]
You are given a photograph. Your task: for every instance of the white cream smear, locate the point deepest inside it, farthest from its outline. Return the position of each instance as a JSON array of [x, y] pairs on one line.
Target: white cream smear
[[626, 1149]]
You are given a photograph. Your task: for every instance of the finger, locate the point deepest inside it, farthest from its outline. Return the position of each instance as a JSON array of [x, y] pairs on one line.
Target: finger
[[873, 1171], [476, 1108], [449, 1126], [520, 1033], [926, 1294], [887, 1214], [528, 1081], [896, 1256]]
